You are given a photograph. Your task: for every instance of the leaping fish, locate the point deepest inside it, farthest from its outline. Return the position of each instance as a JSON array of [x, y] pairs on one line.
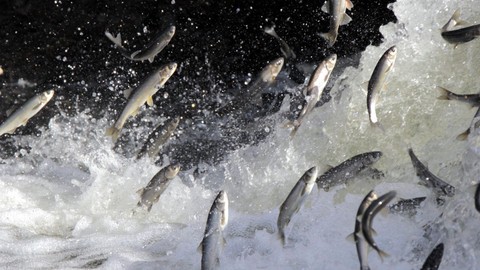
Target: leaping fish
[[213, 236], [461, 35], [150, 51], [286, 50], [336, 9], [143, 93], [377, 82], [313, 93], [21, 116]]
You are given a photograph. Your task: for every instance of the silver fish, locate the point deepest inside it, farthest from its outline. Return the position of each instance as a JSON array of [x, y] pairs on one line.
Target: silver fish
[[157, 185], [367, 219], [472, 99], [143, 93], [150, 51], [314, 90], [336, 9], [158, 138], [295, 200], [213, 238], [434, 259], [286, 50], [440, 187], [21, 116], [461, 35], [377, 81], [347, 170], [360, 242], [266, 78]]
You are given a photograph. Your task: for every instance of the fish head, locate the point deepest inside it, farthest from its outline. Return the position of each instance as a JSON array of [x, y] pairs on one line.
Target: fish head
[[176, 121], [171, 31], [330, 62], [167, 70], [392, 54], [371, 196], [312, 174], [222, 206], [375, 156], [172, 171], [275, 67], [46, 96]]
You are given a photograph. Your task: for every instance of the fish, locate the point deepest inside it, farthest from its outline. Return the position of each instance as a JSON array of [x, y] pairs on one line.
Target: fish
[[150, 194], [434, 259], [347, 170], [143, 93], [459, 36], [475, 124], [440, 187], [477, 198], [367, 219], [336, 9], [21, 116], [265, 79], [213, 237], [377, 82], [160, 135], [360, 242], [295, 200], [472, 99], [407, 206], [317, 82], [150, 51], [286, 50]]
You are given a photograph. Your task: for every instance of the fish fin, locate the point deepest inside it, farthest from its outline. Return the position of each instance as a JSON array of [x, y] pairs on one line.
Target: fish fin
[[11, 110], [350, 238], [377, 125], [149, 207], [134, 54], [37, 106], [294, 131], [139, 204], [365, 85], [114, 132], [140, 191], [150, 101], [349, 4], [456, 18], [11, 131], [288, 124], [135, 112], [346, 19], [464, 135], [271, 31], [329, 37], [127, 92], [156, 199], [281, 236], [24, 122], [443, 93], [326, 7], [200, 248], [151, 59], [224, 242], [421, 183]]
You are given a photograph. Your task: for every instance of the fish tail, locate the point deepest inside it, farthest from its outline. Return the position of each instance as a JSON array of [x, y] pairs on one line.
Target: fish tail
[[444, 93], [116, 40], [114, 132], [382, 254], [464, 135], [377, 125], [281, 236], [330, 37], [294, 131]]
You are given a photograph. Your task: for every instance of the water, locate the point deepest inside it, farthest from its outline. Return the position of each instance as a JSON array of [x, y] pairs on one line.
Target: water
[[68, 196]]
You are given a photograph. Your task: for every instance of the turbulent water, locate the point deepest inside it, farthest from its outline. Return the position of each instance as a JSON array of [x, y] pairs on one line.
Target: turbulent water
[[67, 198]]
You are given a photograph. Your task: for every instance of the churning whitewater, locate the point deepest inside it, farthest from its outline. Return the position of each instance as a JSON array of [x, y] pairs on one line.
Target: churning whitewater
[[69, 198]]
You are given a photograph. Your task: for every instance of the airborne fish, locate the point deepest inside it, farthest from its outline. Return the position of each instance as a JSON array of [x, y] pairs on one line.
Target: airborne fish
[[360, 242], [367, 219], [150, 51], [21, 116], [434, 259], [212, 238], [407, 206], [158, 138], [314, 90], [286, 50], [336, 9], [461, 35], [377, 81], [143, 93], [472, 99], [440, 187], [157, 185], [348, 169], [295, 200], [266, 78]]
